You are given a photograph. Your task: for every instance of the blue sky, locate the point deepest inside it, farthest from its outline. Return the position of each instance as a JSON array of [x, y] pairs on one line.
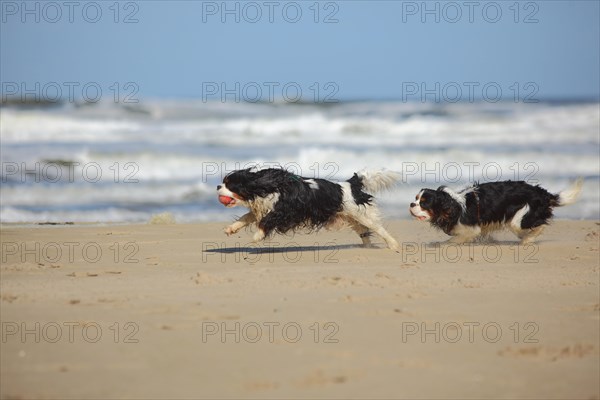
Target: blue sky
[[368, 50]]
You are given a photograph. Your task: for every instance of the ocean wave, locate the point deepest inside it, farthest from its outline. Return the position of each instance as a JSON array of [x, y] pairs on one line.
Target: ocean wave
[[357, 123], [169, 155]]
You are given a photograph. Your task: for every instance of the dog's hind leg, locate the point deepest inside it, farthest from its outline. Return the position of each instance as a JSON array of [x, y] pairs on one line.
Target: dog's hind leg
[[376, 227], [528, 236], [528, 223], [363, 232]]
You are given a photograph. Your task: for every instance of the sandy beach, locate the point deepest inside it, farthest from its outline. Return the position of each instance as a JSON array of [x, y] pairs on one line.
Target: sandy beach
[[182, 311]]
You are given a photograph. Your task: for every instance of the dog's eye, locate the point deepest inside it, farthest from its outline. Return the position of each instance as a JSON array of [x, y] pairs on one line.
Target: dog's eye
[[422, 199]]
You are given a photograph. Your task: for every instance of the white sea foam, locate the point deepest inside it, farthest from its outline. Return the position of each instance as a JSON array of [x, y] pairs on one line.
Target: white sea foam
[[181, 149]]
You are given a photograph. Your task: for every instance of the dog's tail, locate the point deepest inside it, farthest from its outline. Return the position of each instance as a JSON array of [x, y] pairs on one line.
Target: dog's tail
[[570, 195], [377, 181]]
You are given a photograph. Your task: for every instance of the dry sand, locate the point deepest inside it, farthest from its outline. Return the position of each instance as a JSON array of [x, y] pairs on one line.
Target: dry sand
[[182, 311]]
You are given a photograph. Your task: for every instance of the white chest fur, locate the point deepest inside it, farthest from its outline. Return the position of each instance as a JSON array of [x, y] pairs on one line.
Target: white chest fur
[[263, 205]]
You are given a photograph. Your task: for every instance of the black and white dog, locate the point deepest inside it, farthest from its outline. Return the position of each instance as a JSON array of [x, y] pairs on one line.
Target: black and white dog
[[483, 208], [281, 202]]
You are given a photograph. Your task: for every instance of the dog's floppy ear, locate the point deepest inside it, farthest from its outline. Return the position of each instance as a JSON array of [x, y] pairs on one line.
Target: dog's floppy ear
[[447, 206], [244, 171], [264, 182], [238, 182]]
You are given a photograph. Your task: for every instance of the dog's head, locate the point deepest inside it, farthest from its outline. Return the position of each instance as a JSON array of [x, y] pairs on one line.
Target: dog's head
[[433, 205], [245, 185], [233, 191]]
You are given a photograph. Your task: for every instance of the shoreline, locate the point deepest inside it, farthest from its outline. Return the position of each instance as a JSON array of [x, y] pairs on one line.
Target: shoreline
[[224, 221]]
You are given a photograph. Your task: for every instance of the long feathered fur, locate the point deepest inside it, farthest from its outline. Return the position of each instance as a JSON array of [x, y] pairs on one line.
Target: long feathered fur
[[283, 202], [521, 207]]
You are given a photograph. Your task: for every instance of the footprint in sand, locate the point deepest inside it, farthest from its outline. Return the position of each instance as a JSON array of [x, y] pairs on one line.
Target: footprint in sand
[[592, 237], [259, 386], [79, 274], [547, 353], [202, 278], [9, 297], [320, 378]]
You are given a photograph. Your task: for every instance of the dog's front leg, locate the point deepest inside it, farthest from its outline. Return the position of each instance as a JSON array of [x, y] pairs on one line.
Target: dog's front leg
[[268, 224], [259, 235], [464, 234], [245, 220]]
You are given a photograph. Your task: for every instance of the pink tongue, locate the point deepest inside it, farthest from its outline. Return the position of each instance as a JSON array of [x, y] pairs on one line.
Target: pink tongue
[[225, 200], [421, 218]]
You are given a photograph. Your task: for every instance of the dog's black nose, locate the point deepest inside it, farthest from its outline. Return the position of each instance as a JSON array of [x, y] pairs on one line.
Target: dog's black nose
[[412, 204], [218, 187]]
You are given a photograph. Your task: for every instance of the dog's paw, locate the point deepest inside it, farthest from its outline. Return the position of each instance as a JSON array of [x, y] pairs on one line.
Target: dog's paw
[[395, 248], [230, 230], [259, 235], [459, 240]]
